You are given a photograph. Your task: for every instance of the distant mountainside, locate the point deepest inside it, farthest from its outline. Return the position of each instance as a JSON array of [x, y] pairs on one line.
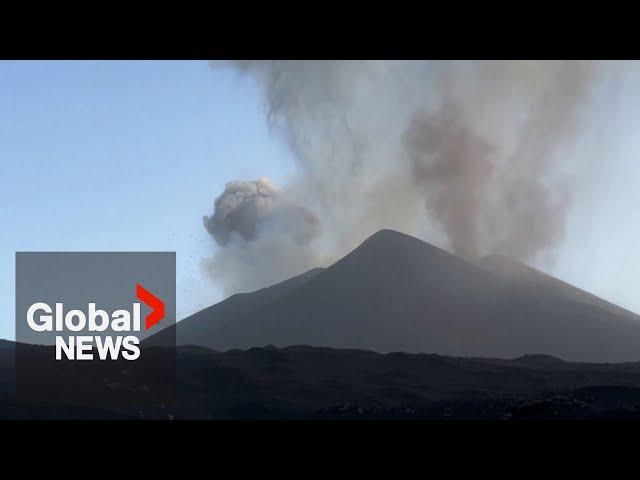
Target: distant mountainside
[[525, 275], [397, 293]]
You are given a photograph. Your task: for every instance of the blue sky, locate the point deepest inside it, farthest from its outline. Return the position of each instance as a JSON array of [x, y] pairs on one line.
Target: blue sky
[[124, 156]]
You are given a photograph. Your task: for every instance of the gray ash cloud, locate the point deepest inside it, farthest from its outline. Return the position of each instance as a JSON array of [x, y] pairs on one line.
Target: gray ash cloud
[[263, 238], [467, 155]]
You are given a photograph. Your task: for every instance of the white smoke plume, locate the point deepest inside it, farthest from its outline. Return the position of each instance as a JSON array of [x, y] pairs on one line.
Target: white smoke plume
[[468, 155]]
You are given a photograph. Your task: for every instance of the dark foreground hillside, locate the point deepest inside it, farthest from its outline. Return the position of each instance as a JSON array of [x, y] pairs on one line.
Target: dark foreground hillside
[[301, 382]]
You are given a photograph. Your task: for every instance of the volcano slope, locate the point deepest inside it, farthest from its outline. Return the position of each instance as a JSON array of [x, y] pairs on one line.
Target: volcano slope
[[397, 293]]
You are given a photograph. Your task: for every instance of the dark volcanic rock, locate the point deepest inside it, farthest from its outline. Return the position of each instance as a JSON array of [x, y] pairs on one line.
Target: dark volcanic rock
[[302, 382]]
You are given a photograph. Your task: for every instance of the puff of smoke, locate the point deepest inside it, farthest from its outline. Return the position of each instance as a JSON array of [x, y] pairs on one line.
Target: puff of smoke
[[239, 209], [263, 237]]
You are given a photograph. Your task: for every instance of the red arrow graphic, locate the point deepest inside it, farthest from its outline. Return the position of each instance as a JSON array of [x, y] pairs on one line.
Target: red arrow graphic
[[154, 302]]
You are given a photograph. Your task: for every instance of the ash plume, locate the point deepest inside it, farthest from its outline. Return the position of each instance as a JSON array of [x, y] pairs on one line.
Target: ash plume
[[263, 237], [454, 166], [470, 156]]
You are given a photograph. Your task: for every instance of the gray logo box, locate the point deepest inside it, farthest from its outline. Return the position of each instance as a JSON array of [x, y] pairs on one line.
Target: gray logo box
[[144, 387]]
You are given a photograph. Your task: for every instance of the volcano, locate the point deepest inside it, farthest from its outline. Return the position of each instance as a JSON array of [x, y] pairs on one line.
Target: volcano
[[397, 293]]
